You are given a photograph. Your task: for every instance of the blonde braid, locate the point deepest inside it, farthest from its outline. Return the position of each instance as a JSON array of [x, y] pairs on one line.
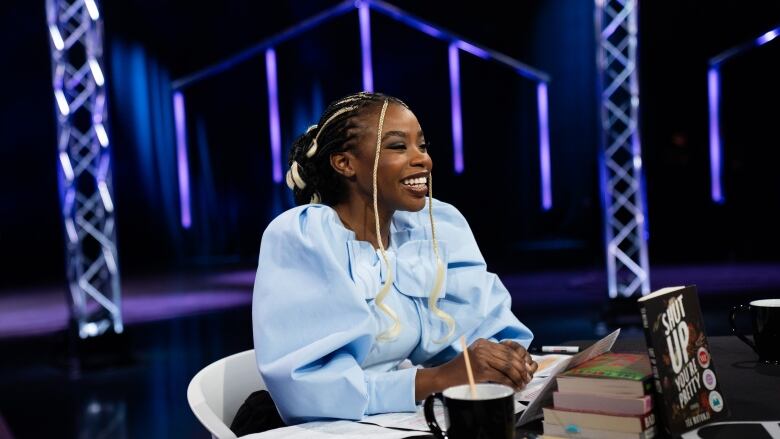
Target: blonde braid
[[383, 292], [434, 295]]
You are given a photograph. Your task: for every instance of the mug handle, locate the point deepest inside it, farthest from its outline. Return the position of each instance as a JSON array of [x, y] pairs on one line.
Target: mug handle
[[733, 322], [430, 417]]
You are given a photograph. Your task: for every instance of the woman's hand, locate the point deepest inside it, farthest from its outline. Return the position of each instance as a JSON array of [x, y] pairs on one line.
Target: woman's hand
[[506, 363]]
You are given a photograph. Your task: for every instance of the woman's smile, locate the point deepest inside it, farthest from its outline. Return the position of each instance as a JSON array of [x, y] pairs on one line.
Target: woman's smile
[[417, 184]]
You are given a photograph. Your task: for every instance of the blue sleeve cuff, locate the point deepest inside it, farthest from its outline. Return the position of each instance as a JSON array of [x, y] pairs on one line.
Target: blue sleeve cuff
[[391, 391]]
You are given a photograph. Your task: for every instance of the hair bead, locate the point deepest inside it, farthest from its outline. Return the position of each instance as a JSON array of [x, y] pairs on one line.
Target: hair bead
[[289, 180], [312, 149], [296, 177]]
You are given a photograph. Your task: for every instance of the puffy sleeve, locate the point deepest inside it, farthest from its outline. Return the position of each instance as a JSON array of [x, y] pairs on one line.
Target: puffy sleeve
[[313, 328], [474, 297]]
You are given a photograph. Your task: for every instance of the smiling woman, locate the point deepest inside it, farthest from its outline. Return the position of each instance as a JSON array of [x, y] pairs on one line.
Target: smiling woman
[[359, 278]]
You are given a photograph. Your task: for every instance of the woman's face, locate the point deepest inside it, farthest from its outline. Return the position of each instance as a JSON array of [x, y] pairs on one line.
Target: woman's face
[[404, 163]]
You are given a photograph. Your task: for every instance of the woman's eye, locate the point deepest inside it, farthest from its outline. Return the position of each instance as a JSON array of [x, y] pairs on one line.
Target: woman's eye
[[424, 146], [397, 146]]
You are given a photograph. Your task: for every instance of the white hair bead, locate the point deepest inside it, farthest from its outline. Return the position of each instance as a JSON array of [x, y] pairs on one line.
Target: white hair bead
[[296, 177], [312, 149], [289, 180]]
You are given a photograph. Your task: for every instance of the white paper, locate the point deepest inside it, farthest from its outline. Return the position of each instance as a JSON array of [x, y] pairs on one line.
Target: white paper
[[331, 430], [549, 366], [411, 421]]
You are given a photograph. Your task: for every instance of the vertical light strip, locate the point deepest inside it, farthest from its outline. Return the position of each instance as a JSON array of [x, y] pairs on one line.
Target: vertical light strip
[[273, 114], [364, 14], [181, 157], [457, 121], [713, 83], [544, 145]]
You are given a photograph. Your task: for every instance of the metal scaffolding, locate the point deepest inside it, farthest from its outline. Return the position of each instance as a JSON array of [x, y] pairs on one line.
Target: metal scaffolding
[[620, 162], [86, 194]]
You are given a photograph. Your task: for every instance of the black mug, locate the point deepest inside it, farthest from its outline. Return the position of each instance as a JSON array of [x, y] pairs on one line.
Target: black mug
[[765, 315], [491, 415]]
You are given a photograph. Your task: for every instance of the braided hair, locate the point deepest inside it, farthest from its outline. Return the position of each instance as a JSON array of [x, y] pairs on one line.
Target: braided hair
[[313, 180], [311, 176]]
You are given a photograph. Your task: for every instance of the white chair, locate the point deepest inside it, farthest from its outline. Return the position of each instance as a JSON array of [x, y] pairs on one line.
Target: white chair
[[218, 390]]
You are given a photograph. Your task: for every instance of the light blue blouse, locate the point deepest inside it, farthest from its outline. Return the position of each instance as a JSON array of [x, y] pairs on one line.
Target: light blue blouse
[[315, 321]]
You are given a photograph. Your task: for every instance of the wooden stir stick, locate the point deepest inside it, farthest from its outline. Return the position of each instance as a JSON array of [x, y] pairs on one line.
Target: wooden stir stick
[[472, 386]]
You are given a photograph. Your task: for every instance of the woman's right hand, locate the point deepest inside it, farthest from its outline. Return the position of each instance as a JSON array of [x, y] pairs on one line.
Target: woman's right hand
[[505, 363]]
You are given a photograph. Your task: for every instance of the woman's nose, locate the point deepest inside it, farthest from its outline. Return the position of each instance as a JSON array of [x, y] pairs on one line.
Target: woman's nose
[[420, 158]]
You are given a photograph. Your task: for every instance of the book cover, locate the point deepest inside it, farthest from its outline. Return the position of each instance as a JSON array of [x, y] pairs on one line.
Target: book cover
[[688, 393], [580, 419], [603, 403], [573, 431], [610, 373], [633, 367]]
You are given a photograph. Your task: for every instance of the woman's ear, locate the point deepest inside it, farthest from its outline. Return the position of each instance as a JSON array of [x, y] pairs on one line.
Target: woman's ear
[[342, 162]]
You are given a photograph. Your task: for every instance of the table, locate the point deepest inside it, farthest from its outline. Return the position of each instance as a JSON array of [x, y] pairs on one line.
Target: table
[[751, 389]]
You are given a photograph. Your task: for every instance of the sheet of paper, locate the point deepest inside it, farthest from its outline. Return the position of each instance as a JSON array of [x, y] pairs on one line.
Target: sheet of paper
[[542, 397], [411, 421], [331, 430], [416, 420], [549, 366]]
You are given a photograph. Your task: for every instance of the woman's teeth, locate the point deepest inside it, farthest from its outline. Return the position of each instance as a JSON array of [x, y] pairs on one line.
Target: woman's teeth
[[415, 181]]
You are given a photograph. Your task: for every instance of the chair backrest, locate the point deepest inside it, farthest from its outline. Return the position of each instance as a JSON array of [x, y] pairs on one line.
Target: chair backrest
[[218, 390]]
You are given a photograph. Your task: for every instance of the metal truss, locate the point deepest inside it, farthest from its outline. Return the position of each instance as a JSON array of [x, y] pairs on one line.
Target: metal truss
[[86, 194], [620, 163]]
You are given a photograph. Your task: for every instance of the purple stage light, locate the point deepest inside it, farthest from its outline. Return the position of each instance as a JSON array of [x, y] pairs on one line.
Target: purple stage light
[[713, 83], [474, 50], [442, 34], [429, 30], [457, 122], [713, 88], [273, 114], [365, 7], [767, 37], [544, 145], [364, 14], [181, 156]]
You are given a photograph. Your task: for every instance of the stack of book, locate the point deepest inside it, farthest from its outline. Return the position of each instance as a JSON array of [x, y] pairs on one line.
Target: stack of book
[[607, 397]]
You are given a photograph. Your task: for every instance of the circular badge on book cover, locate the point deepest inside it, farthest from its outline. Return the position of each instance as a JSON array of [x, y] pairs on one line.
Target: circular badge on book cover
[[704, 357], [716, 401], [708, 376]]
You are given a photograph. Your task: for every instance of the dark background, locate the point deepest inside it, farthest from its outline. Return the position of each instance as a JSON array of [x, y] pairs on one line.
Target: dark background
[[147, 44]]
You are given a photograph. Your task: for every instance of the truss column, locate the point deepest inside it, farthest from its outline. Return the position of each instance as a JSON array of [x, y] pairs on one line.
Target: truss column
[[620, 163], [84, 153]]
